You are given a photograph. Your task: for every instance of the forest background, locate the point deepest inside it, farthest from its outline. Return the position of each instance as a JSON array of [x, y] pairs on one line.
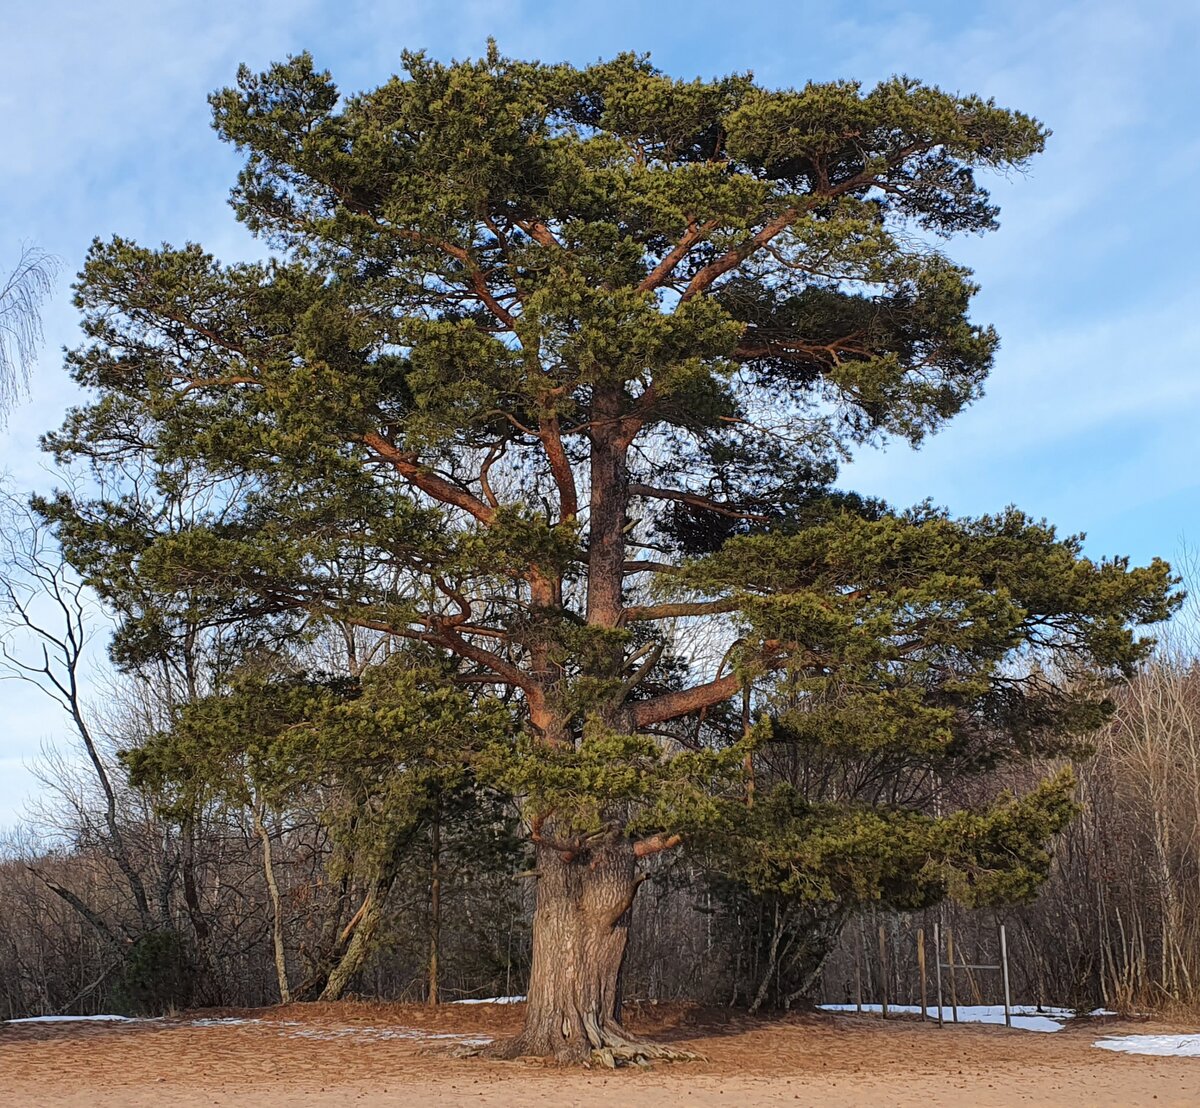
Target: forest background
[[1058, 396]]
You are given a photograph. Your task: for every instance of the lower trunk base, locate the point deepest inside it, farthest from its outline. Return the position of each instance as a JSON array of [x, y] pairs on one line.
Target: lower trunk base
[[606, 1044], [580, 927]]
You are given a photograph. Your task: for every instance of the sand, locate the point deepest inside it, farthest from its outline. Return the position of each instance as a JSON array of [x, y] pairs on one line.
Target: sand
[[397, 1055]]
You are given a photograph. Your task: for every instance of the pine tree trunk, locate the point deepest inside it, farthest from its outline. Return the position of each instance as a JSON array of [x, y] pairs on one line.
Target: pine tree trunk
[[580, 932], [360, 933]]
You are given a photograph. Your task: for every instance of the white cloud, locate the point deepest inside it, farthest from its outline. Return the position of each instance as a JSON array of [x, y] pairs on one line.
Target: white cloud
[[1091, 279]]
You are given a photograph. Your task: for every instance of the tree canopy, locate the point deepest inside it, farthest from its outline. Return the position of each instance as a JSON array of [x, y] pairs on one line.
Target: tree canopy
[[550, 370]]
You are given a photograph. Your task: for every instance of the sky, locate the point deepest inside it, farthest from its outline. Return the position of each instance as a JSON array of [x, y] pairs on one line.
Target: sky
[[1091, 417]]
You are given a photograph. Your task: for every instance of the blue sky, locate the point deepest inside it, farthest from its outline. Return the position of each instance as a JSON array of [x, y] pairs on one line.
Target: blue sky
[[1092, 414]]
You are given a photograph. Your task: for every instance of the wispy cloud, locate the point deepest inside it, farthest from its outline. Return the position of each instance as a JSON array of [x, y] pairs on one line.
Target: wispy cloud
[[1091, 412]]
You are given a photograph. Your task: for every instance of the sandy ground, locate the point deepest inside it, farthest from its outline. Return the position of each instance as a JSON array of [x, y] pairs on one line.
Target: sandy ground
[[371, 1055]]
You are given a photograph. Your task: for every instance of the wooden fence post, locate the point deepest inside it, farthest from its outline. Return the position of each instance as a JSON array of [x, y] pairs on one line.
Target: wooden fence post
[[883, 970], [921, 969], [937, 968], [950, 965], [858, 958], [1004, 973]]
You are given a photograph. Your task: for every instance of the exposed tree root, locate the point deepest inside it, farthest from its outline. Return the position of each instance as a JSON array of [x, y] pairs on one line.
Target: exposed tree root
[[642, 1053], [606, 1046]]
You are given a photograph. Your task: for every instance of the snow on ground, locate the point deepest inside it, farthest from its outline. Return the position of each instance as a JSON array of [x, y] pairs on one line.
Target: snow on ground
[[292, 1029], [1179, 1046], [327, 1034], [492, 1000], [74, 1019], [1025, 1017]]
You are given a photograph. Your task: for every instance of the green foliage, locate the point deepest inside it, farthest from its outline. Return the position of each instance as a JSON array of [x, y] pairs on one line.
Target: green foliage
[[607, 773], [157, 976], [522, 324], [392, 205], [382, 750], [852, 856]]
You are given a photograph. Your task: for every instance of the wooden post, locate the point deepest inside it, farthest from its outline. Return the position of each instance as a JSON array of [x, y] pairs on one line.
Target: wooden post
[[1004, 974], [858, 957], [937, 967], [921, 969], [883, 970], [950, 965]]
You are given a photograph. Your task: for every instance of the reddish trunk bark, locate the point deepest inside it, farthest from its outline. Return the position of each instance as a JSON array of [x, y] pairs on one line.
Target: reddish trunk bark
[[609, 497], [584, 899], [580, 931], [580, 928]]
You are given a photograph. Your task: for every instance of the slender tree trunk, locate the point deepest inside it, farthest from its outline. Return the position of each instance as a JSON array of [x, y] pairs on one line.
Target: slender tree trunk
[[264, 836], [772, 962], [435, 902], [363, 925], [359, 933], [212, 987], [321, 960]]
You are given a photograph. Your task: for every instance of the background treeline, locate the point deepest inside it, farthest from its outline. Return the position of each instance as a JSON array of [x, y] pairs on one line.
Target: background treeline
[[108, 901]]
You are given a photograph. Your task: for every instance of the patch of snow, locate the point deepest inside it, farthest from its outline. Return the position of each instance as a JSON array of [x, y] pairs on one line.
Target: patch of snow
[[239, 1021], [327, 1034], [1177, 1046], [222, 1021], [292, 1029], [75, 1019], [1026, 1017], [492, 1000]]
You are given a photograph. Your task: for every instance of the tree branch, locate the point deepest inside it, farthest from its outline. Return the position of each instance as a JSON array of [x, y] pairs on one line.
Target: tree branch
[[647, 612], [405, 463], [732, 258], [695, 500], [647, 565], [474, 274], [560, 467], [682, 702], [694, 233], [656, 844], [65, 894]]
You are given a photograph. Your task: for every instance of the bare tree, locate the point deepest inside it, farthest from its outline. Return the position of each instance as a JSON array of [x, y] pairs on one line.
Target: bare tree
[[21, 295], [45, 625]]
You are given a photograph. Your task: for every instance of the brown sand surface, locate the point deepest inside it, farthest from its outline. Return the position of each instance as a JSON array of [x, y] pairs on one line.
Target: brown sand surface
[[375, 1055]]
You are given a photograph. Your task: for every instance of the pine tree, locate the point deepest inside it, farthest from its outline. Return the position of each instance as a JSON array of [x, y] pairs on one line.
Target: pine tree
[[383, 754], [551, 370]]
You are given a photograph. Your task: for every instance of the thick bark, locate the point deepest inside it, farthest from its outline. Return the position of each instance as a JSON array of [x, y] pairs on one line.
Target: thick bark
[[580, 927], [580, 930], [585, 894]]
